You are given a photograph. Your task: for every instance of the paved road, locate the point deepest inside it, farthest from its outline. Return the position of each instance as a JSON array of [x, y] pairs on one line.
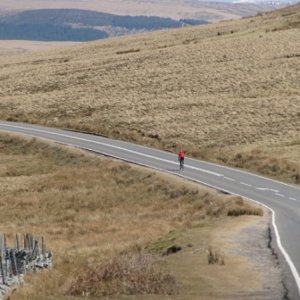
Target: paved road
[[282, 199]]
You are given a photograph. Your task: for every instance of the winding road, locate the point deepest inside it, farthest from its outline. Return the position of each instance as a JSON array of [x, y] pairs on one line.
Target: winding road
[[283, 200]]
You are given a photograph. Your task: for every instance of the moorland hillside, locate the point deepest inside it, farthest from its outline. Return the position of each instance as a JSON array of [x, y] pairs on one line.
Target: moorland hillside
[[212, 11], [226, 92]]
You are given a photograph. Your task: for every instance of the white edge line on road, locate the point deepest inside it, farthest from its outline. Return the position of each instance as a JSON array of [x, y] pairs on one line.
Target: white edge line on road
[[114, 147], [28, 126], [244, 172], [285, 254], [278, 239]]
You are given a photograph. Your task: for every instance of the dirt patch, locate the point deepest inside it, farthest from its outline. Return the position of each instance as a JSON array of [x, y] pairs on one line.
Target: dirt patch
[[249, 270], [248, 239], [92, 209], [243, 244]]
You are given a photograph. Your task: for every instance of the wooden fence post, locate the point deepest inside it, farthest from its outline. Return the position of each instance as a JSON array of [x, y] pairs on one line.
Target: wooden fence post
[[1, 259]]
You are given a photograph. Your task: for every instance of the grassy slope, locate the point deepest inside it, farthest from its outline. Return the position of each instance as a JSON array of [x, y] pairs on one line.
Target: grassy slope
[[14, 47], [227, 92], [90, 209]]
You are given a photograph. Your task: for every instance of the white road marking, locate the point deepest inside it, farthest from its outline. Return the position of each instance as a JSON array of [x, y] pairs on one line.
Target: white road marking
[[246, 184], [228, 178], [195, 168], [293, 199], [280, 195], [267, 189], [115, 147], [247, 173], [278, 238], [285, 254]]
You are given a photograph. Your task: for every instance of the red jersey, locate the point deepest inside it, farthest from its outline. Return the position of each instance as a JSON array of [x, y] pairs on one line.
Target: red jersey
[[181, 154]]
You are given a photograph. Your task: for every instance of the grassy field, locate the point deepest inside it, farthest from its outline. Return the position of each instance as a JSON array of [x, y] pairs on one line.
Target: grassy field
[[109, 225], [227, 92], [16, 47]]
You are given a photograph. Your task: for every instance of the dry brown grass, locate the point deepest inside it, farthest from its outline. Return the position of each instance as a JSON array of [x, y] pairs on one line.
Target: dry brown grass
[[227, 92], [94, 214], [133, 273], [10, 47]]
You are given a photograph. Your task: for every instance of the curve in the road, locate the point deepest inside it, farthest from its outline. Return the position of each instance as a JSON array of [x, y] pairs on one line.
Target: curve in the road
[[280, 198]]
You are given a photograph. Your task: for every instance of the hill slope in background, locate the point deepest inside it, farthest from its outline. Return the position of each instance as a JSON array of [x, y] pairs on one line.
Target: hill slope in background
[[78, 25], [174, 9], [226, 92]]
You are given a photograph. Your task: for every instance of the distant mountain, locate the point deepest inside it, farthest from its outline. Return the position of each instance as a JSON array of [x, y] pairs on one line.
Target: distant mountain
[[210, 10], [275, 3], [79, 25]]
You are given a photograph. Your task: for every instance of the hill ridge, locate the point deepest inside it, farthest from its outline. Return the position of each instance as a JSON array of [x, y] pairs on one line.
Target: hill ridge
[[226, 92], [79, 25]]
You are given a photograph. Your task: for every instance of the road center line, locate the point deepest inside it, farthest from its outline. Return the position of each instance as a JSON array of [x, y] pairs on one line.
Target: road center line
[[228, 178], [267, 189], [246, 184], [293, 199], [278, 239], [114, 147]]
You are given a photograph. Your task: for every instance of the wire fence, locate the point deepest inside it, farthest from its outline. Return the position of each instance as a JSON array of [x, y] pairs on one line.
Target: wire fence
[[28, 254]]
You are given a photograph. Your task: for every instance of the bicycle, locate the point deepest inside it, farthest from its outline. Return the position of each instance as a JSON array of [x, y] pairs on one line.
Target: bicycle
[[181, 164]]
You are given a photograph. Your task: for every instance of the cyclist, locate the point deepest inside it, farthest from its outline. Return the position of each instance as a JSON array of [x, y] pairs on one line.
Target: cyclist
[[181, 156]]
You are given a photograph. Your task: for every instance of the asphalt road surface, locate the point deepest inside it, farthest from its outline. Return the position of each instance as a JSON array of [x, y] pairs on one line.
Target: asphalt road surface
[[281, 199]]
